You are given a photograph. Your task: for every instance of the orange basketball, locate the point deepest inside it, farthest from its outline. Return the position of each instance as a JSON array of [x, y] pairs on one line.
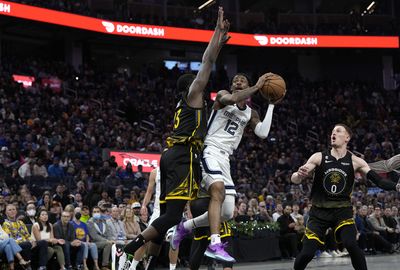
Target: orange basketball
[[274, 88]]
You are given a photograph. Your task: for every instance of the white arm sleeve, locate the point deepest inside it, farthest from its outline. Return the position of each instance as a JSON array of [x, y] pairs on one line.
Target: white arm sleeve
[[262, 128]]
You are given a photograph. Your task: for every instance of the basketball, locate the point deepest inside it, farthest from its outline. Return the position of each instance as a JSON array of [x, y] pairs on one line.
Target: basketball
[[274, 88]]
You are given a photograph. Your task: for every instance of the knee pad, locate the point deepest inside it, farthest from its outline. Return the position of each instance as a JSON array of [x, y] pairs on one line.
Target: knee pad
[[228, 207]]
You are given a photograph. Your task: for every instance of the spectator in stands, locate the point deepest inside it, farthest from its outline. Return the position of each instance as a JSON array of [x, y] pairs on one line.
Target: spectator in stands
[[105, 199], [378, 224], [116, 229], [270, 204], [11, 249], [278, 212], [81, 188], [85, 214], [112, 181], [131, 225], [81, 233], [393, 235], [55, 170], [118, 196], [98, 230], [45, 200], [94, 195], [55, 212], [288, 237], [242, 213], [133, 198], [136, 210], [43, 230], [26, 170], [263, 214], [78, 200], [39, 169], [369, 239], [395, 215], [30, 214], [63, 229], [60, 195], [17, 230], [253, 204]]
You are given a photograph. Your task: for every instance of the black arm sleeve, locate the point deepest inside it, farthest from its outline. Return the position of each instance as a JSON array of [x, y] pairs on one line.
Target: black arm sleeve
[[377, 180]]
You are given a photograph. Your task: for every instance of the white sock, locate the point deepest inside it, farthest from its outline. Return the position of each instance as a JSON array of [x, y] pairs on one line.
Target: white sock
[[134, 264], [200, 221], [189, 224], [172, 266], [215, 239]]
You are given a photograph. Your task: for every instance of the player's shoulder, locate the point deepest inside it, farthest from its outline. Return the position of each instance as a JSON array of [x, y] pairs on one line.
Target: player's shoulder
[[357, 160], [316, 158]]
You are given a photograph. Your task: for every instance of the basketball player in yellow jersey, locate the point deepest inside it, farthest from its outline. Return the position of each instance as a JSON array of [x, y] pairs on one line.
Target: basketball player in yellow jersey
[[180, 170]]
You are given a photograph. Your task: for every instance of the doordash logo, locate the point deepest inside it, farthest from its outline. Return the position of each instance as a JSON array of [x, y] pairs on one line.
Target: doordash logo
[[109, 26], [263, 40], [286, 40]]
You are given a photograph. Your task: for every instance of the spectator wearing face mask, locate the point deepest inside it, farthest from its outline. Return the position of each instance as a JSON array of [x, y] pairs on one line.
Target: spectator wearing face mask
[[81, 233], [98, 231], [29, 218]]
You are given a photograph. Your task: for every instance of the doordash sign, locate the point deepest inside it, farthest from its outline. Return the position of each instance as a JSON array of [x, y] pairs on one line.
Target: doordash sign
[[187, 34]]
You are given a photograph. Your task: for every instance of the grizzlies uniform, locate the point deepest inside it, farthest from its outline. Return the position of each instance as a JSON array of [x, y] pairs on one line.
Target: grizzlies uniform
[[225, 130], [156, 208], [180, 170], [331, 196]]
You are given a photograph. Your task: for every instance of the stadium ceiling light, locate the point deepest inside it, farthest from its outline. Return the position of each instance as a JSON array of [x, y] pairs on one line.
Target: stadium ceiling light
[[207, 3], [371, 5]]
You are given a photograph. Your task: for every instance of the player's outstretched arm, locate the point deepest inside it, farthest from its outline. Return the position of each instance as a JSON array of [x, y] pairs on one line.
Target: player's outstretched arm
[[224, 97], [261, 129], [149, 191], [387, 165], [219, 38], [305, 170], [363, 167]]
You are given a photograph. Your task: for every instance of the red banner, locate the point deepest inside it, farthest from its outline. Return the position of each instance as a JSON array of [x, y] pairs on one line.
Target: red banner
[[195, 35], [25, 80], [148, 161], [53, 83]]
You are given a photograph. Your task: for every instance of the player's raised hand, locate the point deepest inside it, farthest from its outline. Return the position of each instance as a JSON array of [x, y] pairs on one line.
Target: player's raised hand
[[223, 25], [220, 20], [261, 81]]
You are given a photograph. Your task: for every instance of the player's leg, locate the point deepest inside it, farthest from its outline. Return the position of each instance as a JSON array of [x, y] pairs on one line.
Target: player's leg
[[197, 250], [229, 248], [173, 258], [172, 216], [348, 237], [153, 252], [314, 237], [310, 246]]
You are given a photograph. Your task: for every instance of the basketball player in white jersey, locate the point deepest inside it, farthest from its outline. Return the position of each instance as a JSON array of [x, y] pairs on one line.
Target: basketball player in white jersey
[[226, 125], [153, 248]]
